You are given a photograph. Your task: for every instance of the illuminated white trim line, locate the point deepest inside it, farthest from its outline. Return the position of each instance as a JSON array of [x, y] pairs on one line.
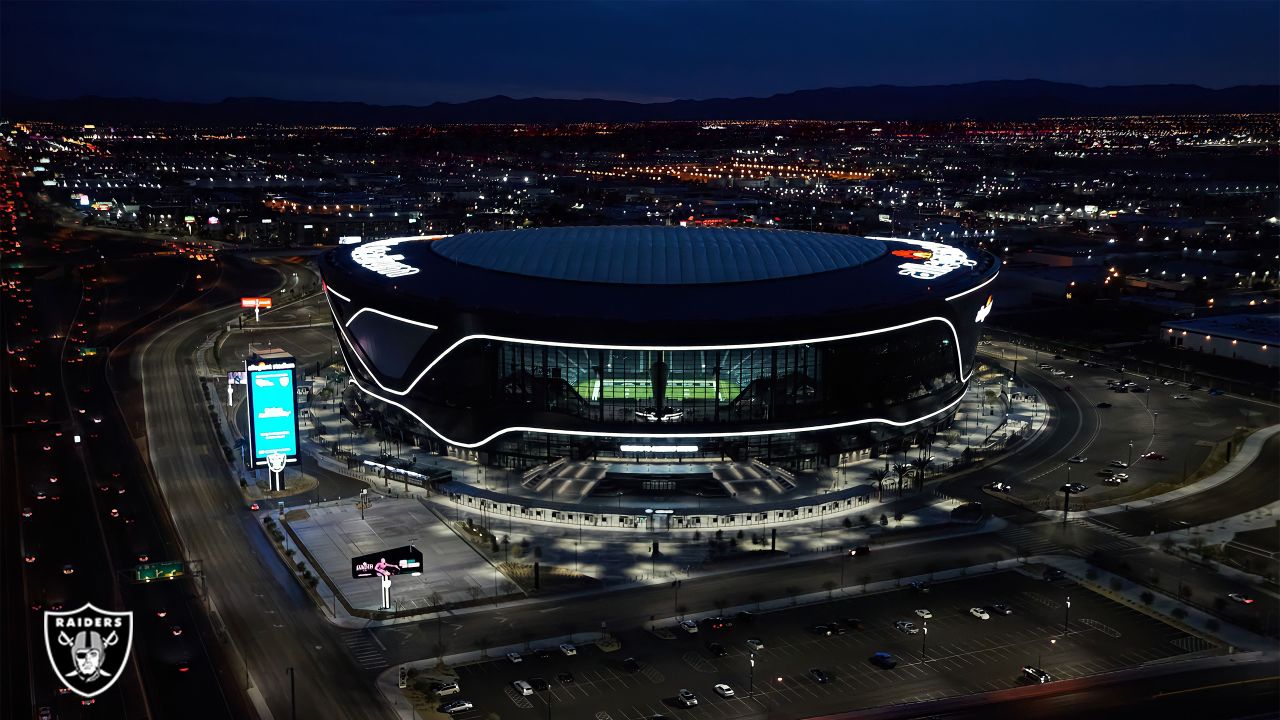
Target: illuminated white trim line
[[329, 288], [598, 433], [674, 348], [975, 288], [393, 317]]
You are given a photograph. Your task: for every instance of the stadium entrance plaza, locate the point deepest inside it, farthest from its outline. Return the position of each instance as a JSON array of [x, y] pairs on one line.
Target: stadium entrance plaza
[[462, 570]]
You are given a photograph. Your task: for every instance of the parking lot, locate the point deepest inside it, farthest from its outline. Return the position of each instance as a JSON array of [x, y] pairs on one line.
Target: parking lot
[[959, 654]]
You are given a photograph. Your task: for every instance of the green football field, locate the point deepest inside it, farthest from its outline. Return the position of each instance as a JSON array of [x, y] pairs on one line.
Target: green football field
[[618, 389]]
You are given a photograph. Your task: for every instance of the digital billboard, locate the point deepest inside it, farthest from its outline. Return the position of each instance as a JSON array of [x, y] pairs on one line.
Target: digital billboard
[[273, 418], [404, 560]]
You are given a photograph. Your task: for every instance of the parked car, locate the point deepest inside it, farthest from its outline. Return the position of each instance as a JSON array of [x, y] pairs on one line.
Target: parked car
[[1000, 487], [906, 627], [1118, 464], [819, 676], [456, 706], [723, 690], [1000, 609], [924, 614], [1035, 675], [568, 649], [919, 587], [442, 689], [884, 660], [979, 613], [1153, 455], [689, 626], [514, 657], [687, 698], [1077, 459], [1104, 405], [716, 649], [755, 643], [631, 665]]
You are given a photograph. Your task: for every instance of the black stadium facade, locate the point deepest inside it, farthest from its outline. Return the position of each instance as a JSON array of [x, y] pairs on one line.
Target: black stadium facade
[[798, 349]]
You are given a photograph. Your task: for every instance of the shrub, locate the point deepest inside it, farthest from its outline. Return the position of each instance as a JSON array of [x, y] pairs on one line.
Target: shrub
[[1147, 597]]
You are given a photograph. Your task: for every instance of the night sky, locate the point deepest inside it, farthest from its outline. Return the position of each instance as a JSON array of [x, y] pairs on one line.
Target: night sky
[[417, 53]]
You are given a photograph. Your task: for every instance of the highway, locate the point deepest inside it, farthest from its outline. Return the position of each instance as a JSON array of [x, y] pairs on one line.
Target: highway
[[273, 622]]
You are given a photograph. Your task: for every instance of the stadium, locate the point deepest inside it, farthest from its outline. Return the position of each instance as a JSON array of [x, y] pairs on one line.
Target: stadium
[[660, 345]]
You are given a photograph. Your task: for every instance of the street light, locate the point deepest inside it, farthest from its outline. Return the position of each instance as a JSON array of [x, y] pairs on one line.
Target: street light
[[1130, 452], [751, 678], [1066, 615], [1040, 657], [924, 639]]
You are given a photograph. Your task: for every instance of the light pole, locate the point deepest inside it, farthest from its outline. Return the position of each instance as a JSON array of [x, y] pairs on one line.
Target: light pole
[[1066, 616], [1155, 420], [1130, 452], [1040, 657], [293, 706], [675, 602], [924, 639], [751, 678]]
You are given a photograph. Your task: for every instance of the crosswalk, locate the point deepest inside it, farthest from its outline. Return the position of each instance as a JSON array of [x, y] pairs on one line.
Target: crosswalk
[[1039, 540], [367, 654], [1027, 542]]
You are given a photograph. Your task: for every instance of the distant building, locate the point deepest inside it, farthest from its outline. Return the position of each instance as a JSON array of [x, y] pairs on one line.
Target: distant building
[[1245, 337]]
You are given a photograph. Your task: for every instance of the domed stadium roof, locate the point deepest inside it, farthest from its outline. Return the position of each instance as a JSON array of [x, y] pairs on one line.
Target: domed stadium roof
[[653, 255]]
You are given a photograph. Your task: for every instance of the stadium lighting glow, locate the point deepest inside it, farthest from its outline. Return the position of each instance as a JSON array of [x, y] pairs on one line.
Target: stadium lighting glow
[[659, 448]]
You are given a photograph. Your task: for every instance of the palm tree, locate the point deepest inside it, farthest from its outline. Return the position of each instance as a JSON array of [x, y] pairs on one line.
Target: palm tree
[[877, 477], [921, 466], [902, 470]]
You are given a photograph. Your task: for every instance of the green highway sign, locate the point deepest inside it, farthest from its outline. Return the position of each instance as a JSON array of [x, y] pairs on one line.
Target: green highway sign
[[159, 571]]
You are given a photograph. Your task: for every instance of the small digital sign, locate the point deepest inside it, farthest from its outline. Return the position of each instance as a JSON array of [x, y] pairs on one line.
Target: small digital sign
[[256, 302], [404, 560], [273, 417]]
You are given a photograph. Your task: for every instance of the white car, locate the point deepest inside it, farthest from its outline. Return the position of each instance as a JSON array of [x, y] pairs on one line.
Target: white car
[[1119, 464], [446, 688], [689, 626], [568, 649], [755, 644], [979, 613], [1181, 397], [514, 657], [523, 687], [1167, 383], [925, 614], [724, 690], [1077, 459], [457, 706]]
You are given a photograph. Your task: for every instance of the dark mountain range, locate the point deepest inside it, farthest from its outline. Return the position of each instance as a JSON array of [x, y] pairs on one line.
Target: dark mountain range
[[995, 100]]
